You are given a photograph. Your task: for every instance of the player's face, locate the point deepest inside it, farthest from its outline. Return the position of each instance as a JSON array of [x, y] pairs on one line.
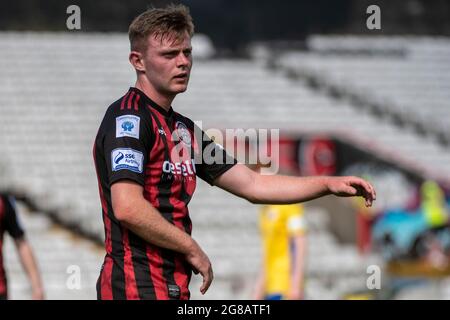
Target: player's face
[[168, 64]]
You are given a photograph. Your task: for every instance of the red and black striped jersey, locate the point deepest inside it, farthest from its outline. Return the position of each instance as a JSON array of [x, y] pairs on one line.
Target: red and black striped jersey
[[164, 152], [9, 223]]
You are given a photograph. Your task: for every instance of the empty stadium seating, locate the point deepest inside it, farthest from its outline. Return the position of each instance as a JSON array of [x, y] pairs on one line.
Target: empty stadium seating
[[56, 251], [406, 77]]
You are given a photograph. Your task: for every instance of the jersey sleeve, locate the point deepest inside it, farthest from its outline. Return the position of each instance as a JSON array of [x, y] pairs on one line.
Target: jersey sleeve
[[12, 223], [213, 160], [128, 139], [296, 223]]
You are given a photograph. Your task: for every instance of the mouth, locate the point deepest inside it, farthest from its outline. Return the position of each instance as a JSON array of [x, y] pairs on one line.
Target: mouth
[[181, 76]]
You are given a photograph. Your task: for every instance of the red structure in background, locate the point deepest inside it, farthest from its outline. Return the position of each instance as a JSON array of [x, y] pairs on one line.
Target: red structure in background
[[318, 156], [363, 231], [288, 156]]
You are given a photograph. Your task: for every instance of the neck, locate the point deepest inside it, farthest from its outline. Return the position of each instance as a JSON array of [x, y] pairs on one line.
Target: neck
[[163, 100]]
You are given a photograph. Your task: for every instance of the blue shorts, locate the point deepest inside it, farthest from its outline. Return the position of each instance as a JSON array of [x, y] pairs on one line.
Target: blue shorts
[[274, 297]]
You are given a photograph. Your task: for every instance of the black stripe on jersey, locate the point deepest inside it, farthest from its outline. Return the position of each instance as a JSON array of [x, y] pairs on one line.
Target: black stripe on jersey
[[130, 100], [98, 287], [142, 271], [118, 272], [164, 194], [185, 197], [133, 101]]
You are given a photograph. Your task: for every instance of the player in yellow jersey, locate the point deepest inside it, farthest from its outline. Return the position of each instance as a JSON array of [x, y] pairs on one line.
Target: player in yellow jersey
[[283, 231]]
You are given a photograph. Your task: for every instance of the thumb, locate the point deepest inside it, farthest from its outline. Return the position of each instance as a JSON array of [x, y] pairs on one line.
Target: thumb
[[203, 287]]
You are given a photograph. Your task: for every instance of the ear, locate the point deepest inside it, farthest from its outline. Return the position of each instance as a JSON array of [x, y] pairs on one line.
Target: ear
[[136, 61]]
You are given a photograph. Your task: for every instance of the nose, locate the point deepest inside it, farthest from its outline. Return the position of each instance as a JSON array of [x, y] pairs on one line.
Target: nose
[[182, 60]]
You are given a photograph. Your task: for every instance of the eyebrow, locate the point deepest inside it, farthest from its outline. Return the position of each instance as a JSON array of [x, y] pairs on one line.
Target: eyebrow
[[169, 51]]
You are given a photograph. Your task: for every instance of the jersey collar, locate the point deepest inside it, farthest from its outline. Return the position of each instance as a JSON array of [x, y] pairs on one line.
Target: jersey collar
[[153, 104]]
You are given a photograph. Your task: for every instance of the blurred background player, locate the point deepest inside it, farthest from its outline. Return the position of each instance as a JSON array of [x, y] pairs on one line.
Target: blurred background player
[[10, 223], [283, 231]]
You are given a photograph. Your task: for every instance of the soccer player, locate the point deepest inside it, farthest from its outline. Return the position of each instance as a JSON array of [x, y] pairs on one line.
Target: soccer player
[[283, 231], [10, 223], [147, 159]]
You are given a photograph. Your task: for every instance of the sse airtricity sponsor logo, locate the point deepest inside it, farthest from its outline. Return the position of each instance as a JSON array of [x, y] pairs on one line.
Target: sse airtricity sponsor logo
[[185, 168], [127, 126], [127, 159]]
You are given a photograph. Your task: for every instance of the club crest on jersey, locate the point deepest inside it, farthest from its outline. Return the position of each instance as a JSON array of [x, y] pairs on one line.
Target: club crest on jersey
[[183, 133], [127, 126]]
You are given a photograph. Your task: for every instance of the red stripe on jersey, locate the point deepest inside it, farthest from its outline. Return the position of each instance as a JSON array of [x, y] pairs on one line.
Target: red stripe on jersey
[[155, 263], [122, 104], [106, 279], [131, 289], [136, 102], [180, 211], [154, 169], [130, 99]]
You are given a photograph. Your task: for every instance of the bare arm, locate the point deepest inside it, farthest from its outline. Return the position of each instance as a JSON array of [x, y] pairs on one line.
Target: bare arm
[[298, 272], [29, 265], [260, 285], [137, 214], [277, 189]]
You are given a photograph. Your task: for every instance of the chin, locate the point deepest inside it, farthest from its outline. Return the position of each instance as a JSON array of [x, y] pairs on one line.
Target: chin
[[179, 89]]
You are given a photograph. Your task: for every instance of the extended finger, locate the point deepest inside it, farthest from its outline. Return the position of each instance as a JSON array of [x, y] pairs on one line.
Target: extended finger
[[365, 188], [207, 279], [370, 197], [371, 190], [374, 193]]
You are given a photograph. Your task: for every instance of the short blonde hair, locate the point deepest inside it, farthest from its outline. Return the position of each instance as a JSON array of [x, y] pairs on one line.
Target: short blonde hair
[[172, 21]]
